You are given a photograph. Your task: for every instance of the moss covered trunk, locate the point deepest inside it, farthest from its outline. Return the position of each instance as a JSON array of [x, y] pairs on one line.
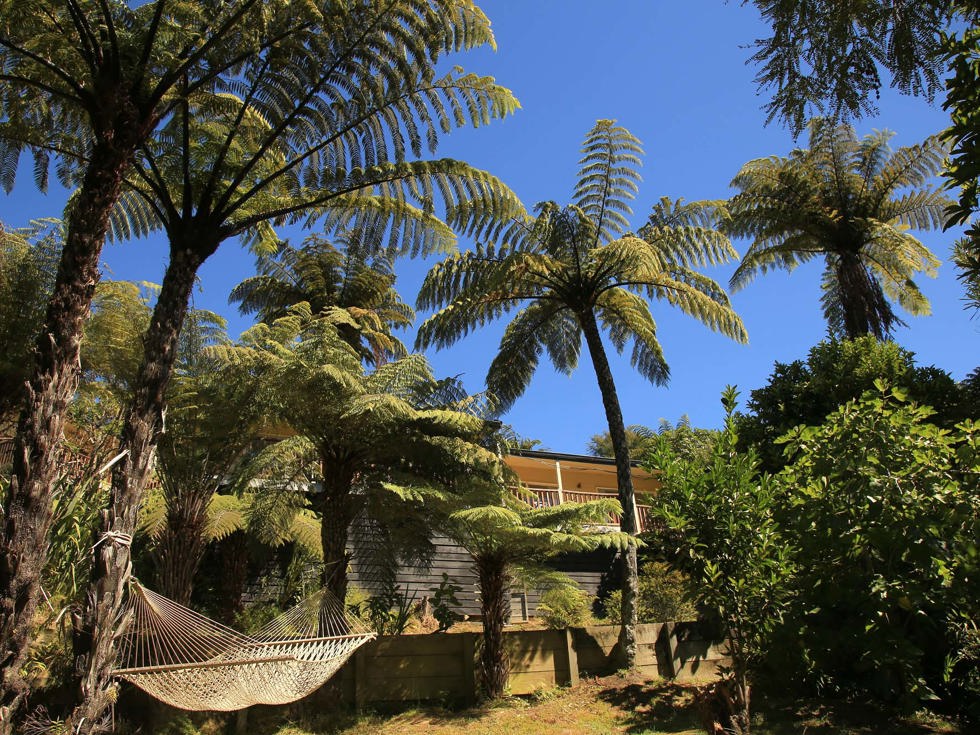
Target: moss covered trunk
[[40, 430], [144, 423]]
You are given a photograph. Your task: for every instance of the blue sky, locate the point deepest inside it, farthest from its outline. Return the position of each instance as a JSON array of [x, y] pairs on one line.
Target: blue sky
[[675, 75]]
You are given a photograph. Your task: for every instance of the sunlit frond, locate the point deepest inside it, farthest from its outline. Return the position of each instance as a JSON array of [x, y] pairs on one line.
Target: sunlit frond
[[608, 178], [846, 200]]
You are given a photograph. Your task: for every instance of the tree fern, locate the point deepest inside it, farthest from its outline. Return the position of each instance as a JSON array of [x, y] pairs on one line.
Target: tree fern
[[570, 269], [849, 201], [379, 446]]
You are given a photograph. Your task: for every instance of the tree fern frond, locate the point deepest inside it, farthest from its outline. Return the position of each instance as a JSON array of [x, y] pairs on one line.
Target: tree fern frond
[[517, 357], [225, 516], [608, 178], [839, 200]]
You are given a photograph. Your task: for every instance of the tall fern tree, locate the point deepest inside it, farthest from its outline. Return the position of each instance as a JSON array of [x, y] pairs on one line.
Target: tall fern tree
[[333, 130], [353, 276], [376, 443], [572, 269], [851, 202], [84, 83]]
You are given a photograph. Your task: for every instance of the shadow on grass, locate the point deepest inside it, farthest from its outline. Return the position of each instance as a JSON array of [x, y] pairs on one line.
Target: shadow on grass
[[668, 708], [661, 707]]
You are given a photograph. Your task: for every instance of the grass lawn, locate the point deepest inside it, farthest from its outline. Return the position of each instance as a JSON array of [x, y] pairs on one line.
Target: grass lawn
[[609, 705]]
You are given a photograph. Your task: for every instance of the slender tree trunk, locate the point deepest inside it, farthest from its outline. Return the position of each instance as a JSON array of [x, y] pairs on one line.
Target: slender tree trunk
[[337, 513], [624, 480], [494, 604], [140, 434], [27, 515], [232, 558]]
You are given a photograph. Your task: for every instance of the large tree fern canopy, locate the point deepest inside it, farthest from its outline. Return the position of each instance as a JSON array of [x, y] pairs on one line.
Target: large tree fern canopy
[[568, 266], [851, 202]]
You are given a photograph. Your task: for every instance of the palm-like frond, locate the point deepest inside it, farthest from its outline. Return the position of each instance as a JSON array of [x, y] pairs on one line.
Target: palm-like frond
[[608, 178], [353, 278], [329, 134], [573, 261], [840, 199], [626, 317]]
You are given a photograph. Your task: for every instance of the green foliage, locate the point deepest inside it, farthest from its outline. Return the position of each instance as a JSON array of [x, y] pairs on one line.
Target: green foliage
[[28, 263], [571, 269], [834, 372], [565, 607], [113, 348], [387, 612], [255, 616], [731, 547], [828, 56], [353, 277], [443, 601], [882, 504], [961, 48], [683, 439], [377, 445], [850, 202], [506, 535], [570, 266], [665, 594]]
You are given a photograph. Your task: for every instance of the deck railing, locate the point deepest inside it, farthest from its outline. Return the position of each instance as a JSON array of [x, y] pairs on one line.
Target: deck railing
[[547, 497]]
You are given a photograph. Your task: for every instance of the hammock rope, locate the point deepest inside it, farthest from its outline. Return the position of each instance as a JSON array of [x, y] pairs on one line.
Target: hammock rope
[[191, 662]]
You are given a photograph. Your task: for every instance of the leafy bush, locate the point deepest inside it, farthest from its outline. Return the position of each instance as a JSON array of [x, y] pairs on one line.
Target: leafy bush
[[565, 607], [883, 506], [387, 613], [722, 513], [443, 601], [255, 616], [664, 594], [834, 372]]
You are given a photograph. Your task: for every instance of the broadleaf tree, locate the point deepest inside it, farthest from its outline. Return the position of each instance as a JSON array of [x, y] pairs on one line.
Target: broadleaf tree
[[571, 269]]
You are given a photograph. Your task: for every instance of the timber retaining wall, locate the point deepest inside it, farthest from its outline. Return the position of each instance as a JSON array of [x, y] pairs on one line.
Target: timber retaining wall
[[443, 667]]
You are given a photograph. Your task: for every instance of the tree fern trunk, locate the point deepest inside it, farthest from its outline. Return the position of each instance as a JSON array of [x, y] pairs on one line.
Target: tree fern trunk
[[864, 307], [494, 604], [336, 516], [144, 423], [624, 481], [27, 512], [180, 547]]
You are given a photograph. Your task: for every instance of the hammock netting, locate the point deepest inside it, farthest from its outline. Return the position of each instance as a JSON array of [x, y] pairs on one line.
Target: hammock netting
[[192, 662]]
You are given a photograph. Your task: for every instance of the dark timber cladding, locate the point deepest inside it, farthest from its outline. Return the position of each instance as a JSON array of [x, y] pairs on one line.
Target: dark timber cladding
[[590, 571], [555, 478]]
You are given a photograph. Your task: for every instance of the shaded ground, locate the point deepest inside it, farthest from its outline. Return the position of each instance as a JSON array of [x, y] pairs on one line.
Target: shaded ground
[[609, 705]]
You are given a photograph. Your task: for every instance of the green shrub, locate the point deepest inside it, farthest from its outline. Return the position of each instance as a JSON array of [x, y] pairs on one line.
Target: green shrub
[[664, 594], [387, 613], [255, 616], [443, 601], [565, 607]]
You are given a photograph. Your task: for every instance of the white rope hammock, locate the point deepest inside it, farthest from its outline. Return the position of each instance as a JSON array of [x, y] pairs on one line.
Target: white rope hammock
[[192, 662]]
